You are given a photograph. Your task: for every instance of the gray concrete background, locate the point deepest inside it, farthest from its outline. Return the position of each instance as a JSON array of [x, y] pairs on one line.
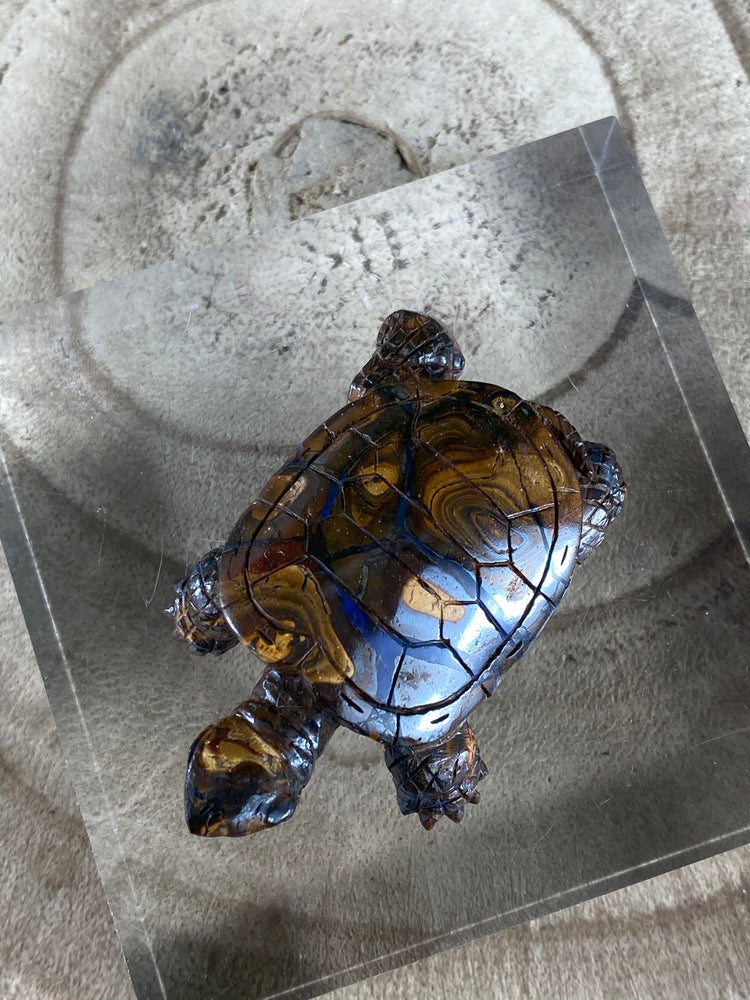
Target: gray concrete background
[[135, 134]]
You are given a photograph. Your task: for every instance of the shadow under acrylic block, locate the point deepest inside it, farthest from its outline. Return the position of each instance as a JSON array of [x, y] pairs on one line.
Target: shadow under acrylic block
[[139, 418]]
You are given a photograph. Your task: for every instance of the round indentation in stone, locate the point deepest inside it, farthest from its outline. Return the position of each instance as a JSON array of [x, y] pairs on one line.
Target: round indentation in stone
[[164, 151], [326, 160]]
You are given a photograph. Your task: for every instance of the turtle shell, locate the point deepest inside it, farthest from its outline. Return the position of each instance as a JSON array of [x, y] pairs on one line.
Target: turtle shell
[[419, 540]]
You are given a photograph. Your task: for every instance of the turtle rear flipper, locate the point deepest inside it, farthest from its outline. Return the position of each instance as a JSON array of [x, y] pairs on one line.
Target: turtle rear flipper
[[409, 344]]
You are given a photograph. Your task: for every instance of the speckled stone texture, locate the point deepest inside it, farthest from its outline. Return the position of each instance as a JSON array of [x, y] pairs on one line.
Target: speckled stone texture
[[109, 164]]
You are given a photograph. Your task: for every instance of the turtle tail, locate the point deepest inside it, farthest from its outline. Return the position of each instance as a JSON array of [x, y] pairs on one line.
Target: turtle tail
[[410, 345]]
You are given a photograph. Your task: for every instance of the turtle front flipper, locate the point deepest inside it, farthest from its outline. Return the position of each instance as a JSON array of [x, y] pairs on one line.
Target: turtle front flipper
[[409, 345], [436, 779]]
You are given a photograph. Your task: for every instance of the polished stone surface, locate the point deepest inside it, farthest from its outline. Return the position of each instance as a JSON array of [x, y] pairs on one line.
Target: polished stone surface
[[170, 384]]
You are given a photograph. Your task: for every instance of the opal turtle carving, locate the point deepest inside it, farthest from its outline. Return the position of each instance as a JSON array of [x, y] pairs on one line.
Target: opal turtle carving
[[389, 573]]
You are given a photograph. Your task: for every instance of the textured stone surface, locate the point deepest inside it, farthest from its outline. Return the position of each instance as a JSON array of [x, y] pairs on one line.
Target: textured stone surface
[[679, 84]]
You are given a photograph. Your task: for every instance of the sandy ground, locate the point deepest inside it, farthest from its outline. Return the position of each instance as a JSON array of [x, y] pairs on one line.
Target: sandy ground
[[137, 133]]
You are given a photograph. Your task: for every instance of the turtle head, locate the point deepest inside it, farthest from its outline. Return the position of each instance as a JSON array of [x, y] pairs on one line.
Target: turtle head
[[238, 781], [198, 618]]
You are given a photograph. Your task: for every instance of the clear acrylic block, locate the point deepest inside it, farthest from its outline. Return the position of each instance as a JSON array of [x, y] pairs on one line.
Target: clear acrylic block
[[141, 416]]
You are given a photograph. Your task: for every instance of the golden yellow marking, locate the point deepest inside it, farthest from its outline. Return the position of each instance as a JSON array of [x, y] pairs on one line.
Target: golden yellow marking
[[389, 471], [375, 476], [239, 746], [273, 652], [453, 612], [320, 670], [374, 484], [434, 602], [293, 590], [388, 457]]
